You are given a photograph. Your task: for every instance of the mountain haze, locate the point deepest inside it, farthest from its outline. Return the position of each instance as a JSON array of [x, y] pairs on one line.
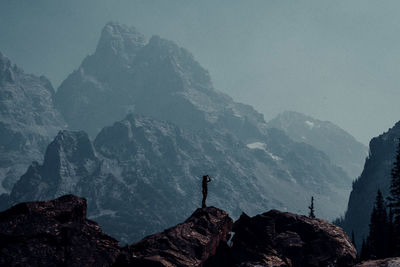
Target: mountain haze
[[342, 148], [157, 126]]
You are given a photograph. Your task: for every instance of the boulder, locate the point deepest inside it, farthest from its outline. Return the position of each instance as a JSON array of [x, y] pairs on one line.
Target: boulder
[[284, 239], [54, 233], [188, 244]]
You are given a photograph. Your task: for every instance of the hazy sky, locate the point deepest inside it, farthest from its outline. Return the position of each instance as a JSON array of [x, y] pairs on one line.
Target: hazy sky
[[334, 60]]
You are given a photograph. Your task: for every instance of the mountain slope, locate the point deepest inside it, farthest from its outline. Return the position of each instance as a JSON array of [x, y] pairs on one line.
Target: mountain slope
[[376, 175], [342, 148], [28, 121], [141, 175]]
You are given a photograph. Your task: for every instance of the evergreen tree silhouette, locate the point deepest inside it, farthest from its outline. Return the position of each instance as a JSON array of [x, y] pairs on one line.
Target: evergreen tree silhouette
[[364, 253], [378, 229], [391, 240], [311, 214], [394, 201]]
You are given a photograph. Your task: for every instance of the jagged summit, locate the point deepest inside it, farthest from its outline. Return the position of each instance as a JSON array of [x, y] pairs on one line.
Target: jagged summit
[[156, 78], [120, 41], [28, 121]]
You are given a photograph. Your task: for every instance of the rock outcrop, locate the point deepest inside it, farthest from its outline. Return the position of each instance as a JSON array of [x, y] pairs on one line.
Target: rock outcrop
[[188, 244], [28, 121], [284, 239], [389, 262], [57, 233], [54, 233]]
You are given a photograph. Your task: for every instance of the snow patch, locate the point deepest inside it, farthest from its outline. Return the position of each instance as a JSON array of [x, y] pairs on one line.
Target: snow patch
[[310, 124], [262, 146]]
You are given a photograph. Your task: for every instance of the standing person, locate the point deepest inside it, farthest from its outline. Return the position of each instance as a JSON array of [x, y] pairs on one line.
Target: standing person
[[206, 180]]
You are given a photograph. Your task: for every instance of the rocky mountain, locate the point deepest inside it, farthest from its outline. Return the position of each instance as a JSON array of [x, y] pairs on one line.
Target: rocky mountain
[[341, 147], [28, 121], [142, 175], [376, 175], [155, 78], [57, 232]]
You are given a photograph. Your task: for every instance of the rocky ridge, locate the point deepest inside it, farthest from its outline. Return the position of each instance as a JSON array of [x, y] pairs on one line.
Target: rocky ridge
[[28, 121], [57, 233]]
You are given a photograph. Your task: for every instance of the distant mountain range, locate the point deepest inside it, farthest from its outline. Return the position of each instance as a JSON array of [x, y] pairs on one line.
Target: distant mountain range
[[155, 125], [342, 148]]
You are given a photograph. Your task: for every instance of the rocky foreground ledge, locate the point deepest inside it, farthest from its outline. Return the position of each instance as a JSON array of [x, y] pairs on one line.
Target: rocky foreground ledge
[[57, 233]]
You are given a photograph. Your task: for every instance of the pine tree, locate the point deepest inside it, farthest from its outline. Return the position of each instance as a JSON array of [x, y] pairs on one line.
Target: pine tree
[[394, 201], [378, 229], [364, 253], [391, 240], [311, 214]]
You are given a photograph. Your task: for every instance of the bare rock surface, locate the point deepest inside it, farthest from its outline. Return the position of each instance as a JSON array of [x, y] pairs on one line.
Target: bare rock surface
[[284, 239], [188, 244], [389, 262], [54, 233]]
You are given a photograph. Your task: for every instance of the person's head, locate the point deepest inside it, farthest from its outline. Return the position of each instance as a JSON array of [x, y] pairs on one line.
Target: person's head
[[205, 177]]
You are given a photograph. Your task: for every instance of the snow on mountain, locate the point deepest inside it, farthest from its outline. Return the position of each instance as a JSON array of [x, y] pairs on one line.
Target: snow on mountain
[[28, 121], [342, 148]]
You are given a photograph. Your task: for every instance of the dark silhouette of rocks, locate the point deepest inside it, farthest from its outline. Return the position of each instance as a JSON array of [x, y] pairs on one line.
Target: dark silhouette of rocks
[[57, 233], [54, 233], [285, 239], [188, 244], [389, 262]]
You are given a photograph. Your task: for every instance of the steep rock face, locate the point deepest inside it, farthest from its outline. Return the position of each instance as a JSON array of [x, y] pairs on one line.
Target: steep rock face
[[342, 148], [143, 175], [54, 233], [376, 175], [28, 121], [284, 239], [188, 244]]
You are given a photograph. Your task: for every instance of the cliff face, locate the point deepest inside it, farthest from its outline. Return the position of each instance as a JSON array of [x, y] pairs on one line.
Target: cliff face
[[376, 175], [28, 121], [54, 233]]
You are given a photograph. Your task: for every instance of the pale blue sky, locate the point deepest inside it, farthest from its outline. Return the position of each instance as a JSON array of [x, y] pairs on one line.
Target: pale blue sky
[[334, 60]]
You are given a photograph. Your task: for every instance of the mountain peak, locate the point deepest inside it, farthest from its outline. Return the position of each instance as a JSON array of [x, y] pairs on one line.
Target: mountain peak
[[120, 40]]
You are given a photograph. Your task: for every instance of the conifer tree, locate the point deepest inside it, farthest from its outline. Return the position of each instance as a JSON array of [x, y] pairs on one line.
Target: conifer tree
[[364, 253], [391, 240], [394, 201], [311, 214], [378, 229]]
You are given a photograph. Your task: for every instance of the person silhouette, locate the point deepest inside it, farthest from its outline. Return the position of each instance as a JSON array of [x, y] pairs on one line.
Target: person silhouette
[[206, 180]]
